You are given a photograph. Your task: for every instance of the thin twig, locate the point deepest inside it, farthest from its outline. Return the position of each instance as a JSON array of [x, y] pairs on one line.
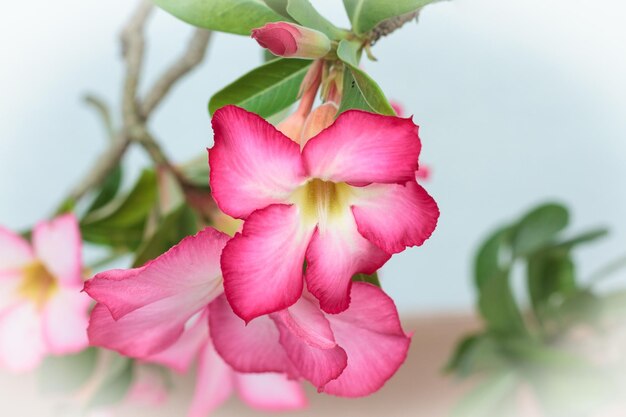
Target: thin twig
[[103, 111], [133, 51], [191, 58]]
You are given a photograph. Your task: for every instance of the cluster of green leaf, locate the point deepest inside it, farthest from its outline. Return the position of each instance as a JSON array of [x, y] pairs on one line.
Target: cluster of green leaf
[[526, 344]]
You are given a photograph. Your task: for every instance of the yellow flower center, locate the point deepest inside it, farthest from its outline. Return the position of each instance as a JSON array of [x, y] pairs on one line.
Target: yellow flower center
[[38, 284], [322, 201]]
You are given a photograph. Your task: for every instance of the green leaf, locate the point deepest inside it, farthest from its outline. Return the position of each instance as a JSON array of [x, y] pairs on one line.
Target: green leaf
[[64, 374], [121, 222], [265, 90], [115, 385], [493, 256], [305, 14], [366, 14], [349, 52], [279, 6], [498, 307], [108, 190], [539, 228], [550, 273], [372, 279], [172, 229], [233, 16], [361, 92], [476, 353], [587, 237]]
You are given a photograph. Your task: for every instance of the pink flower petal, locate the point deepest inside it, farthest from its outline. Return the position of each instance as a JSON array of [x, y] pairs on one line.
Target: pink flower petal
[[395, 216], [270, 392], [337, 252], [57, 244], [65, 320], [214, 383], [262, 266], [188, 271], [319, 366], [182, 353], [305, 320], [10, 282], [246, 348], [21, 343], [362, 147], [371, 334], [252, 164], [15, 252]]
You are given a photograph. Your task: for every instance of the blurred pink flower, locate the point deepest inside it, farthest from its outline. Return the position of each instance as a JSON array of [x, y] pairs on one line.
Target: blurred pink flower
[[346, 202], [158, 313], [292, 41], [42, 309]]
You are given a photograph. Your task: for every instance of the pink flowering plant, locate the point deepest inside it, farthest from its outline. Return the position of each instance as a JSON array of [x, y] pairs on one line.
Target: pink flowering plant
[[258, 267]]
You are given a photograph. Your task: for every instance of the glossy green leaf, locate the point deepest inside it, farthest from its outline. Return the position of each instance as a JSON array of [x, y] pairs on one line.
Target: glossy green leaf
[[361, 92], [305, 14], [265, 90], [372, 279], [366, 14], [493, 256], [65, 374], [539, 228], [172, 229], [233, 16]]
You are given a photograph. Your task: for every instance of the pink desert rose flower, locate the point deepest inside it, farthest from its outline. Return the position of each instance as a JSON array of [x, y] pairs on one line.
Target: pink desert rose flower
[[423, 172], [42, 309], [292, 41], [159, 313], [344, 203], [350, 354]]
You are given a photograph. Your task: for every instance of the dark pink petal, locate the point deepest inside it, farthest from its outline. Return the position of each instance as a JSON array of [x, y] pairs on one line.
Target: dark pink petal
[[182, 353], [371, 334], [21, 342], [57, 245], [337, 252], [246, 348], [15, 252], [65, 318], [362, 147], [279, 38], [270, 392], [214, 383], [395, 216], [189, 270], [252, 164], [262, 266], [319, 366]]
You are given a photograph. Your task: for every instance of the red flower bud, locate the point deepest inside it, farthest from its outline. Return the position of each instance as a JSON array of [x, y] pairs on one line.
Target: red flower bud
[[292, 41]]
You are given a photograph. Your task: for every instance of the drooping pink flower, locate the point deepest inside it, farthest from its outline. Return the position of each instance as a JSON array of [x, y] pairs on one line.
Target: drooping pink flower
[[344, 203], [158, 313], [350, 354], [292, 41], [216, 381], [42, 309]]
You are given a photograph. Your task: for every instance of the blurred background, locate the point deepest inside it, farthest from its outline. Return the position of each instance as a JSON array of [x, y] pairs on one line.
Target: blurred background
[[519, 101]]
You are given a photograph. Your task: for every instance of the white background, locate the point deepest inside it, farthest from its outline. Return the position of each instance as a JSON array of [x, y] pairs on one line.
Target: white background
[[519, 101]]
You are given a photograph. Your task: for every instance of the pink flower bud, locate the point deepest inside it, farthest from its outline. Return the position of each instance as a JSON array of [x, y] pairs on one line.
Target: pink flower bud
[[292, 41]]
